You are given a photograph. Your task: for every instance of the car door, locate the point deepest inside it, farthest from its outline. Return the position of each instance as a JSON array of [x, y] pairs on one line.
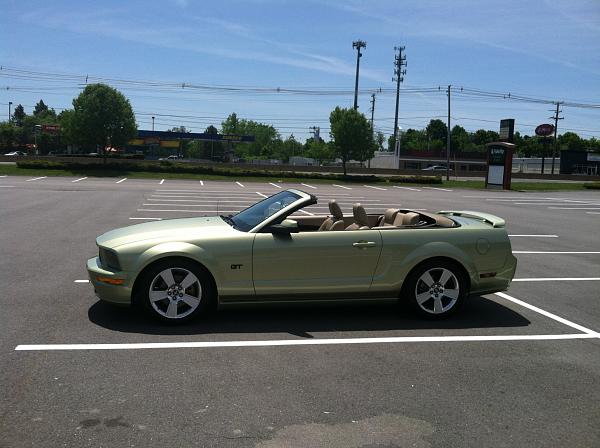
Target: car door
[[315, 263]]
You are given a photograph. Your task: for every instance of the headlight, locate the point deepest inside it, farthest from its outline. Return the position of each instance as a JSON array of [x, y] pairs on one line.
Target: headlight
[[109, 259]]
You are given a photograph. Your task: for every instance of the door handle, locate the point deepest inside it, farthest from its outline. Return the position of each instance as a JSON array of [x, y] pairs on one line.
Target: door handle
[[360, 244]]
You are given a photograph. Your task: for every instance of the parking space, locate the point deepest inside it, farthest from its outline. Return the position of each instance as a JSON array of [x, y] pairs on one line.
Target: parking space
[[502, 372]]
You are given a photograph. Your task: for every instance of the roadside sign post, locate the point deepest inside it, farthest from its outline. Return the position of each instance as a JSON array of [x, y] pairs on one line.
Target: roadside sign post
[[544, 131], [499, 165]]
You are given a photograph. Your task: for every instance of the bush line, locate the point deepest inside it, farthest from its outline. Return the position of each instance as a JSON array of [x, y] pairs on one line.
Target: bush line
[[189, 168]]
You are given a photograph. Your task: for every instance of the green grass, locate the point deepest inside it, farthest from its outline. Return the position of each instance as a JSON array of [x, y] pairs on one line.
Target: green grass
[[13, 170]]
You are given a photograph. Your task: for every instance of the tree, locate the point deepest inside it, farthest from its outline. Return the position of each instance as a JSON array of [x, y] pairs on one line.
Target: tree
[[437, 130], [19, 115], [352, 135], [40, 108], [102, 117], [318, 149], [380, 140], [263, 134], [459, 139], [571, 141], [7, 135], [212, 149]]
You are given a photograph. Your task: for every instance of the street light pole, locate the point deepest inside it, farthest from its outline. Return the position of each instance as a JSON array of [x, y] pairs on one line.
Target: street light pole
[[9, 114], [153, 123], [358, 44]]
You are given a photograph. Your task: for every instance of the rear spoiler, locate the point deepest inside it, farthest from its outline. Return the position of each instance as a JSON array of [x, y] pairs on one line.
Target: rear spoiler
[[493, 220]]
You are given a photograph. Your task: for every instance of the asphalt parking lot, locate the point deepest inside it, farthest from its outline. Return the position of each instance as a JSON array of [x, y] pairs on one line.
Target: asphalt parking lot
[[515, 369]]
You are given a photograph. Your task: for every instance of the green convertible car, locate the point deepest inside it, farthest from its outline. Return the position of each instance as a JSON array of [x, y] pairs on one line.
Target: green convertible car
[[180, 268]]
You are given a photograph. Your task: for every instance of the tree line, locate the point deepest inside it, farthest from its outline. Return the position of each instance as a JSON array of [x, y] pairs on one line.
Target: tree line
[[102, 117]]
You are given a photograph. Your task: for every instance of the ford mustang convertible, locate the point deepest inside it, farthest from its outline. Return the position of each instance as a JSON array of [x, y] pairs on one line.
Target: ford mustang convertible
[[179, 269]]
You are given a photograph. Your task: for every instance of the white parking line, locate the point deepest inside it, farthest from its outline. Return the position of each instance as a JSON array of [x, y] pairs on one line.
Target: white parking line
[[375, 188], [241, 204], [406, 188], [7, 186], [437, 188], [574, 208], [263, 195], [536, 236], [183, 211], [36, 178], [341, 186], [586, 333], [309, 186], [162, 181], [201, 183], [240, 201], [306, 213], [122, 180], [78, 180], [275, 185], [549, 315], [241, 185], [4, 175], [81, 281], [593, 213], [558, 279], [151, 219], [549, 252], [290, 342]]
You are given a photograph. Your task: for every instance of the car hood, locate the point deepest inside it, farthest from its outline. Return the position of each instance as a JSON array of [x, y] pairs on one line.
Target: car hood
[[168, 229]]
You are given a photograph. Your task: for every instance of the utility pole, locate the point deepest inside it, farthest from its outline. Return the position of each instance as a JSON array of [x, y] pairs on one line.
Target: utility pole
[[399, 62], [358, 44], [9, 117], [448, 139], [316, 132], [556, 118], [153, 123], [373, 113], [372, 122]]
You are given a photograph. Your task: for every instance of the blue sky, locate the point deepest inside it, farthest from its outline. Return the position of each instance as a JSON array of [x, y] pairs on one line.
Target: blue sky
[[548, 49]]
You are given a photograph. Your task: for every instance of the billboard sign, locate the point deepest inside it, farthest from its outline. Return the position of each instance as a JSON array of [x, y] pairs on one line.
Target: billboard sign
[[544, 130], [507, 130]]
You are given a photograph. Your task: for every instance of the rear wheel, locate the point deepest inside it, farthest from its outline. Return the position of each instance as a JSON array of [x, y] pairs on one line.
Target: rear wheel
[[175, 290], [436, 289]]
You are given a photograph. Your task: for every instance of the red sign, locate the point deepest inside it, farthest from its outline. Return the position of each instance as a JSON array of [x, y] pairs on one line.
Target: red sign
[[51, 128], [544, 130]]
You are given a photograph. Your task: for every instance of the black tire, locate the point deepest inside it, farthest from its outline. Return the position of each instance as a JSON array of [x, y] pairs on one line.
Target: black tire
[[444, 296], [151, 281]]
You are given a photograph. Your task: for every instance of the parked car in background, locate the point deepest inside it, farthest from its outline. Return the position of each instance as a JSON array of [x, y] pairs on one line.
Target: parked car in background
[[436, 168], [15, 153], [171, 157]]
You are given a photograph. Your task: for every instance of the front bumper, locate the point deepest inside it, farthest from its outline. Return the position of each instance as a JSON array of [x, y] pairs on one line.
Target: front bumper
[[118, 294]]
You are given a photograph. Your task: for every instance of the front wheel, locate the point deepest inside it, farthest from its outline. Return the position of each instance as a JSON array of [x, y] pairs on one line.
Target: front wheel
[[436, 289], [175, 291]]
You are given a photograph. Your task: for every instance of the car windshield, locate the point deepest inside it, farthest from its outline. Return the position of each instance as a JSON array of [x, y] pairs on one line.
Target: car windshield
[[252, 216]]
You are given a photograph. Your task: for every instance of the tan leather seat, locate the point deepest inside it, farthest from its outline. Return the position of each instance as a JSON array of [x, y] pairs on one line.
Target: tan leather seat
[[361, 220], [407, 219], [387, 219], [336, 220]]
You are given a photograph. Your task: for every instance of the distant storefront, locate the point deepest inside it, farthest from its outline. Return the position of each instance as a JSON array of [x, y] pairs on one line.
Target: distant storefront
[[579, 162]]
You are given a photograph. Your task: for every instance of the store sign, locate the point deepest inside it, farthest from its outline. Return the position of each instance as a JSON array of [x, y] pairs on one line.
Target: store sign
[[544, 130]]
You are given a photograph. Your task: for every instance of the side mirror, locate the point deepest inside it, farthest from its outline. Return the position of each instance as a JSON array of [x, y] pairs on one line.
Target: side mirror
[[286, 227]]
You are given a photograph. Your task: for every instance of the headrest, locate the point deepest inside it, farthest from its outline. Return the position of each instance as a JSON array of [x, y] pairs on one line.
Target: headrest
[[399, 219], [335, 210], [411, 219], [360, 215], [390, 215]]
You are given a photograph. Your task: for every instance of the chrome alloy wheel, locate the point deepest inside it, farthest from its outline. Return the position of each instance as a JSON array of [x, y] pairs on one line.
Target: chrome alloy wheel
[[175, 293], [437, 290]]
